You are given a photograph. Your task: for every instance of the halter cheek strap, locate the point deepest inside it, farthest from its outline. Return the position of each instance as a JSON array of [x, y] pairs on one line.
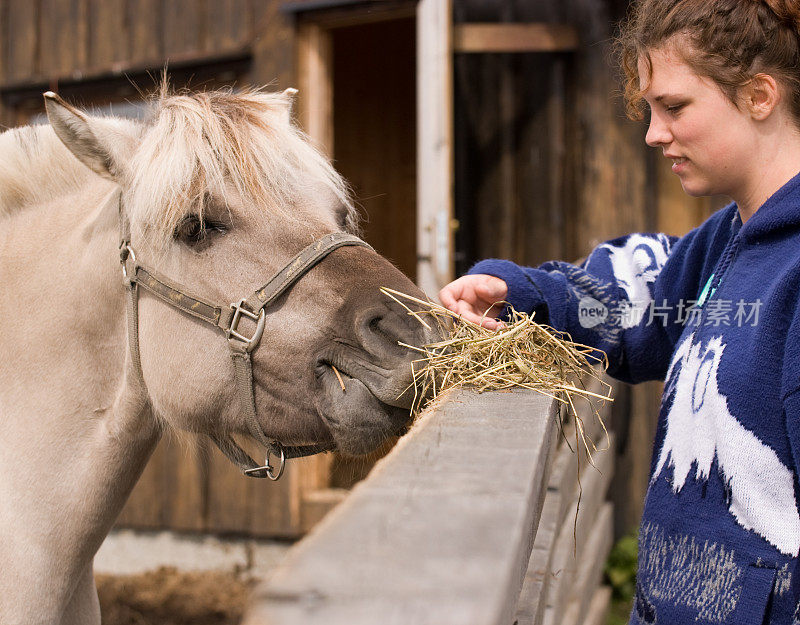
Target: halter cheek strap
[[226, 319]]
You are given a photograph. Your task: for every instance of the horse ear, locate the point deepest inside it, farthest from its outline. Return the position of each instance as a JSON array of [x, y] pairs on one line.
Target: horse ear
[[99, 144], [290, 96]]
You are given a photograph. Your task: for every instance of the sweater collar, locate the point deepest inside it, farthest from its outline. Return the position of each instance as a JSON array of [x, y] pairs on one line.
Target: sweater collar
[[780, 211]]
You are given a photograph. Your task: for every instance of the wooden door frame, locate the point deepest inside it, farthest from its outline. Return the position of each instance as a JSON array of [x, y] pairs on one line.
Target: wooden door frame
[[435, 156], [435, 203]]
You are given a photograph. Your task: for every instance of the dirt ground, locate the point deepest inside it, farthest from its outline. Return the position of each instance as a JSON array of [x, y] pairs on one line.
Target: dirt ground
[[171, 597]]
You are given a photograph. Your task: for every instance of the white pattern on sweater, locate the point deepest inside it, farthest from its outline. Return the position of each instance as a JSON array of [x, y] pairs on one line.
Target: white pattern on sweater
[[700, 425]]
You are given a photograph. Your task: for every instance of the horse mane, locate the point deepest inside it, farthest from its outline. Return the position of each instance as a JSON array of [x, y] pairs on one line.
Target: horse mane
[[200, 144], [196, 145]]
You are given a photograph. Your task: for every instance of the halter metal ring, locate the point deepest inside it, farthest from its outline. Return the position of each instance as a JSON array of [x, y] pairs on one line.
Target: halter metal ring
[[233, 333], [268, 467], [125, 252]]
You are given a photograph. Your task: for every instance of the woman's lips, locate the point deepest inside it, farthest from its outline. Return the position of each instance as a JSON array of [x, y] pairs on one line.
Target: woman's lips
[[679, 163]]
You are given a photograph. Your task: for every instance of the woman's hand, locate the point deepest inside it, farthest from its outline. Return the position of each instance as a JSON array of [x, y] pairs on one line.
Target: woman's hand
[[476, 298]]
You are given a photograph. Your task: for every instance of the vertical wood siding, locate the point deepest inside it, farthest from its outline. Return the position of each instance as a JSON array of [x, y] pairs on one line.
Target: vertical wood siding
[[49, 39]]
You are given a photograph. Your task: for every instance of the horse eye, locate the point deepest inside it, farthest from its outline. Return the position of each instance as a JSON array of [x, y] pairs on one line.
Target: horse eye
[[191, 230]]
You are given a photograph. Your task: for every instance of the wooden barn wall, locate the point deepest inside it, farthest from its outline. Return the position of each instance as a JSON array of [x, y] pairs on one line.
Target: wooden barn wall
[[50, 42], [46, 39]]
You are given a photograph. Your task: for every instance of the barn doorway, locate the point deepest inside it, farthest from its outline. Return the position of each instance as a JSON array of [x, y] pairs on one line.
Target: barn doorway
[[357, 73], [374, 131], [357, 79]]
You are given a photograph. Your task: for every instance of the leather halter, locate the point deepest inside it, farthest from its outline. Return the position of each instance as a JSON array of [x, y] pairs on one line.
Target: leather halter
[[226, 319]]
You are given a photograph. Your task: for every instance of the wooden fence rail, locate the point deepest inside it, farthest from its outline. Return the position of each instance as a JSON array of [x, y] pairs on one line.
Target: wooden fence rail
[[442, 531]]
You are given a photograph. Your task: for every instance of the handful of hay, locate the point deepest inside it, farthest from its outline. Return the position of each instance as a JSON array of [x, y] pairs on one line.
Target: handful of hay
[[522, 354]]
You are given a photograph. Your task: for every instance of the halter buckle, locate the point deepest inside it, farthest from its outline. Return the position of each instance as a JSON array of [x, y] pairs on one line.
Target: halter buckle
[[233, 334], [271, 474]]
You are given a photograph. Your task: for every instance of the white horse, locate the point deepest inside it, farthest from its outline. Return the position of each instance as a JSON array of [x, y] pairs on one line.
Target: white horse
[[218, 192]]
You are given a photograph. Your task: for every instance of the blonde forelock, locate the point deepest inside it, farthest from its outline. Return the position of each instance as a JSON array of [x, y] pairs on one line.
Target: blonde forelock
[[204, 143]]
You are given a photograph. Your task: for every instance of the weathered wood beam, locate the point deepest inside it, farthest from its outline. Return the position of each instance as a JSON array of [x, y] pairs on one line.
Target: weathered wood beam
[[435, 146], [315, 81], [534, 37], [439, 533]]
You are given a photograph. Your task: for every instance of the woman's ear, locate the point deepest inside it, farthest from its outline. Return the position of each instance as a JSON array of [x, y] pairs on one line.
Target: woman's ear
[[761, 95]]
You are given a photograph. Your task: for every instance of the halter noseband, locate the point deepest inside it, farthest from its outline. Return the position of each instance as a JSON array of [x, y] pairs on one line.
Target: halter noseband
[[226, 319]]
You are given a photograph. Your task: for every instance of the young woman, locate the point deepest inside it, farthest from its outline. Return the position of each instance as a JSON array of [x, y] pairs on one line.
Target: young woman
[[716, 313]]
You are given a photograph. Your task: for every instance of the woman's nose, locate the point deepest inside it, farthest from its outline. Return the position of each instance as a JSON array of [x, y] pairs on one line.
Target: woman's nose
[[657, 132]]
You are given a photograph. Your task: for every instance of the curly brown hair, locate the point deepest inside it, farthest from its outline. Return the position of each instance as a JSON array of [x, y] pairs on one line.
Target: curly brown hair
[[728, 41]]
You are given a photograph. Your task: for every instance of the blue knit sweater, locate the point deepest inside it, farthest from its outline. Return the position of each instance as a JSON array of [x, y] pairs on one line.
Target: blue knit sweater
[[716, 314]]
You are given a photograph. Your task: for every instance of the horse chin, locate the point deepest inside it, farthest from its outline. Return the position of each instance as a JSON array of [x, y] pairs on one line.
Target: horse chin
[[358, 421]]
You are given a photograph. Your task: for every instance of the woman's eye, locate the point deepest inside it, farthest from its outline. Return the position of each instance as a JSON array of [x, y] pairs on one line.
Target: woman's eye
[[674, 108]]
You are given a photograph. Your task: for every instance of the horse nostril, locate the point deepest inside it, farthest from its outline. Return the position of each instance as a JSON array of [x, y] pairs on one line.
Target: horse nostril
[[382, 329], [379, 330], [374, 325]]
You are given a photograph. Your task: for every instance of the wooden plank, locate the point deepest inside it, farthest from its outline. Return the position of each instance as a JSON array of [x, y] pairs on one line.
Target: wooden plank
[[508, 214], [108, 39], [594, 414], [260, 507], [186, 475], [273, 46], [230, 495], [572, 614], [275, 510], [633, 465], [145, 507], [533, 597], [485, 38], [310, 474], [345, 17], [314, 77], [61, 22], [81, 32], [22, 43], [573, 537], [598, 607], [450, 507], [145, 18], [184, 27], [435, 217], [230, 24], [564, 478], [590, 568], [318, 503], [4, 46]]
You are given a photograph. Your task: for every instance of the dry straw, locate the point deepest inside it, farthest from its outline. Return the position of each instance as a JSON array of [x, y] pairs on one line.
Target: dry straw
[[521, 354]]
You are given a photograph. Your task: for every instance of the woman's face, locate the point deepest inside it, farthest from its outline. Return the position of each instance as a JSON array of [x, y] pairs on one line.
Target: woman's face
[[709, 141]]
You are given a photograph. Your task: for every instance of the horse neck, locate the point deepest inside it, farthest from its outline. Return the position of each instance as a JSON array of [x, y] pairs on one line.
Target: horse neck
[[76, 431]]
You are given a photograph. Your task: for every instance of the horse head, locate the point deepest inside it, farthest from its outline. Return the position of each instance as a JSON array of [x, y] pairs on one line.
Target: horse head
[[219, 191]]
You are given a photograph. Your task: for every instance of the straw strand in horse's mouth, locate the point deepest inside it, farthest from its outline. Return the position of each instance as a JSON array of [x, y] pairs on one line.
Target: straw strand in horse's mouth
[[325, 367], [339, 377]]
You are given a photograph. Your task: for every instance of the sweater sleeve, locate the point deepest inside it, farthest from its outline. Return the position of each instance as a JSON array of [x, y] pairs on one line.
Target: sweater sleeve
[[630, 298]]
